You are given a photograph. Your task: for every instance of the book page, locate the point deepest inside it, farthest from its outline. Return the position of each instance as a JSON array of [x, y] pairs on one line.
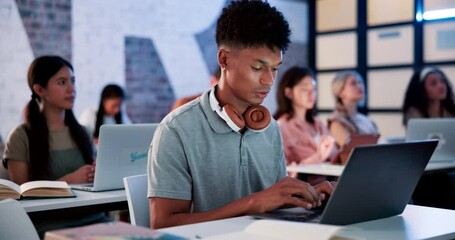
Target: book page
[[285, 230], [9, 184], [43, 184]]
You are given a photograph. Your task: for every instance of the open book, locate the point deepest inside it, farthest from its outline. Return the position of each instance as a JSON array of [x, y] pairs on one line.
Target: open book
[[34, 189], [283, 230]]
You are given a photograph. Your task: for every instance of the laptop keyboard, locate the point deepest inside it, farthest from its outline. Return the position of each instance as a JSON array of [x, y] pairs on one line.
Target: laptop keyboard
[[310, 216]]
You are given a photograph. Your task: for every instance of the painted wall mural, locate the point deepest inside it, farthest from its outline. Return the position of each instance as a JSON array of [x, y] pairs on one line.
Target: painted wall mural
[[157, 50]]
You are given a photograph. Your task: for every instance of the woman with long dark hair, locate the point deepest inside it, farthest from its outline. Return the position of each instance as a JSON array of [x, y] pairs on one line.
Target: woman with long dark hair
[[109, 110], [51, 144], [305, 139], [429, 95]]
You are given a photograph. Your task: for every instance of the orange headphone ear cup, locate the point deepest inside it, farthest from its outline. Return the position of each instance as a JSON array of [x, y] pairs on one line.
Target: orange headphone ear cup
[[236, 118], [257, 117]]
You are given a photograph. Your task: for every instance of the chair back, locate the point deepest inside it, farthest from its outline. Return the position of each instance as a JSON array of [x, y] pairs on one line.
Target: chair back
[[14, 222], [136, 195]]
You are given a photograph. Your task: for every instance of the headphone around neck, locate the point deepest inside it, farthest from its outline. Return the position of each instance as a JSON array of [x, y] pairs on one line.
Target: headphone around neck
[[256, 118]]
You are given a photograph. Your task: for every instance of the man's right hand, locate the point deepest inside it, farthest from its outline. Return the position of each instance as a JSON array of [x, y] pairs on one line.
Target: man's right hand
[[288, 191]]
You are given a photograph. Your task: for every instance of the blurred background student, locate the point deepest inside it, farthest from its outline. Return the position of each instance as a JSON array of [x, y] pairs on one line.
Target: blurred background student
[[213, 81], [305, 139], [348, 89], [109, 111], [51, 144], [429, 95]]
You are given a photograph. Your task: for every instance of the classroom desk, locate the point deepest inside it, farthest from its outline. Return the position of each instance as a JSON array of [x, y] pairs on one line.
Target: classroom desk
[[416, 222], [84, 201], [328, 169]]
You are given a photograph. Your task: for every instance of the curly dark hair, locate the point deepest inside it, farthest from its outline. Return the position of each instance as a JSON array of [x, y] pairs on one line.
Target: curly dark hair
[[292, 77], [416, 95], [252, 23]]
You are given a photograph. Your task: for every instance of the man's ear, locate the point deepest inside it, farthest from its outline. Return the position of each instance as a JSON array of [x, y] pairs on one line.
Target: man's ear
[[38, 89], [223, 55]]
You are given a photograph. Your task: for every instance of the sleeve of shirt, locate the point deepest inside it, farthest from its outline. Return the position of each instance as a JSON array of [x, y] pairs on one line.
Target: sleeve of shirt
[[125, 118], [17, 146], [88, 119], [168, 171], [412, 112]]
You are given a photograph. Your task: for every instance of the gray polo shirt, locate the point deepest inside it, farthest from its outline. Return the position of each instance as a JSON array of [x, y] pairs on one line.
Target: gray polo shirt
[[196, 156]]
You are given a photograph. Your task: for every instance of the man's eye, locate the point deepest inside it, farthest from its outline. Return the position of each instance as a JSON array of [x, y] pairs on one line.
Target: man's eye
[[256, 69]]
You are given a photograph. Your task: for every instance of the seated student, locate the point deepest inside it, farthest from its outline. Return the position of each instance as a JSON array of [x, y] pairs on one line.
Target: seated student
[[109, 111], [213, 81], [51, 144], [429, 95], [205, 165], [348, 90], [305, 139]]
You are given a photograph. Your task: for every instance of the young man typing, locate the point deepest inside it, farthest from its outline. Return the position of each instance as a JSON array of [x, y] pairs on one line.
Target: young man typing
[[205, 162]]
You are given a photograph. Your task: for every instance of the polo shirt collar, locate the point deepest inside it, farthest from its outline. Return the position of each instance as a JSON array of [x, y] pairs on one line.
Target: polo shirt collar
[[208, 107]]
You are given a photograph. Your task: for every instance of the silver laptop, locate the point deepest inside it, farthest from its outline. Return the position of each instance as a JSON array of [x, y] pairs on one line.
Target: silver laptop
[[377, 182], [442, 129], [122, 152]]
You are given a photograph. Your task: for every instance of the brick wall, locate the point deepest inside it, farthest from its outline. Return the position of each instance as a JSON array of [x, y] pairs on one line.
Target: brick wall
[[150, 95], [156, 50], [48, 26]]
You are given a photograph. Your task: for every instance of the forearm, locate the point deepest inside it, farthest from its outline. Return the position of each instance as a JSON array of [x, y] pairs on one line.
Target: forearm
[[67, 178], [315, 158], [234, 209]]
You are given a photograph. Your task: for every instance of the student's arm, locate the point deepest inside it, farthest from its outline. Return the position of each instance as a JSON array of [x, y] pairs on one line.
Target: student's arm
[[339, 132], [165, 212], [84, 174], [16, 155], [18, 171]]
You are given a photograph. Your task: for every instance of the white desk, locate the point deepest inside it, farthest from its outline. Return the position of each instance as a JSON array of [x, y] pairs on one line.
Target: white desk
[[82, 199], [336, 170], [416, 222]]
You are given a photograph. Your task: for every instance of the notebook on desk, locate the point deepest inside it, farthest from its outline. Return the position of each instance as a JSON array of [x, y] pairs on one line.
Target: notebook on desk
[[434, 128], [377, 182], [122, 152]]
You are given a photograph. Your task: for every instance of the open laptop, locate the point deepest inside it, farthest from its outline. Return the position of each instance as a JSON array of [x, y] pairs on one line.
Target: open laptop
[[377, 182], [434, 128], [122, 152]]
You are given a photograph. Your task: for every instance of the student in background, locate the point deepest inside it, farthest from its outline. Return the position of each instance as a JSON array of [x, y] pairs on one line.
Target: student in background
[[429, 95], [305, 139], [51, 144], [204, 163], [213, 81], [348, 90], [109, 111]]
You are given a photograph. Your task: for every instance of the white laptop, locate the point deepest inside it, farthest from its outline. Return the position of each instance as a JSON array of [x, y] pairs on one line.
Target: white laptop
[[122, 152], [442, 129]]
